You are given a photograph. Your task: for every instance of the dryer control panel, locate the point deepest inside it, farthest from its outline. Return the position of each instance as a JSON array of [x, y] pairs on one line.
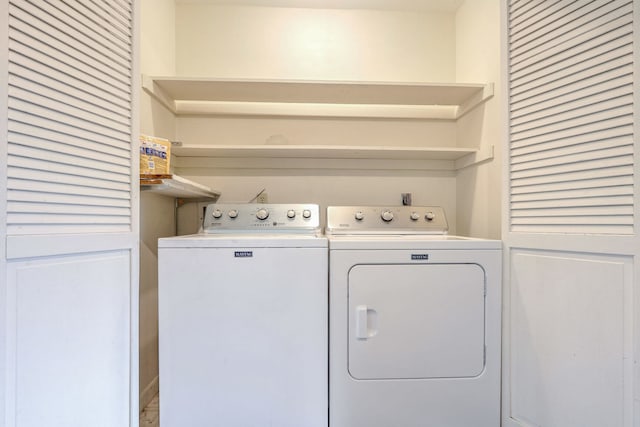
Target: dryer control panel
[[386, 220], [259, 217]]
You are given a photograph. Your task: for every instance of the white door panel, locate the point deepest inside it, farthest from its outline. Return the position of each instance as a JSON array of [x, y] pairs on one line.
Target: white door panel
[[70, 340], [570, 354]]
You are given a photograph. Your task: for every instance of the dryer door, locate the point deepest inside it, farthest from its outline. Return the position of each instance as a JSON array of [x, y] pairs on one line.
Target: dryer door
[[416, 321]]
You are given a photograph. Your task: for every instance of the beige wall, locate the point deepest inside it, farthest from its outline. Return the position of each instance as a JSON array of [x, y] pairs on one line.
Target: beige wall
[[157, 45], [478, 191], [314, 44]]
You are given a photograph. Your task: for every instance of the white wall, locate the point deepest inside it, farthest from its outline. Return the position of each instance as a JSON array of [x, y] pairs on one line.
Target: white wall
[[478, 60], [157, 45], [320, 44]]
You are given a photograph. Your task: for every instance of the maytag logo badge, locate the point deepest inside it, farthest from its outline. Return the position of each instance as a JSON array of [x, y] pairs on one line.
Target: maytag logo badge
[[243, 254], [419, 257]]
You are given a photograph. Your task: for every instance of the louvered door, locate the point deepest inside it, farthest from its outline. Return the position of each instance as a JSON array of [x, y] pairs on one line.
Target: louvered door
[[68, 315], [572, 332]]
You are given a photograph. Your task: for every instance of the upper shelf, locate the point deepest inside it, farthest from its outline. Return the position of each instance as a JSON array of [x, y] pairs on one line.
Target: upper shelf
[[317, 98]]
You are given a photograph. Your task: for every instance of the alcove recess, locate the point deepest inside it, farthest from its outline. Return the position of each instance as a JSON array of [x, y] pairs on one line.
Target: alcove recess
[[185, 96]]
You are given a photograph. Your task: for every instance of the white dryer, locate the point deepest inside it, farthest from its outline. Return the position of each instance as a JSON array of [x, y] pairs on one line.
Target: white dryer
[[243, 322], [415, 321]]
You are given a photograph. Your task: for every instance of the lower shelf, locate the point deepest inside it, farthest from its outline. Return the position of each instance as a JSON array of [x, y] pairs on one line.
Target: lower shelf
[[456, 158]]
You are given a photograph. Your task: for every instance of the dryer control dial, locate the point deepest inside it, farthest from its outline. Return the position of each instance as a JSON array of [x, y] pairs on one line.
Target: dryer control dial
[[306, 214], [233, 213], [291, 213], [262, 214], [414, 216], [359, 216], [216, 213], [430, 216], [386, 216]]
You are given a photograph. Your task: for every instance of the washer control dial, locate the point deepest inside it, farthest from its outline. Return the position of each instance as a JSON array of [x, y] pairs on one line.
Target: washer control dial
[[359, 216], [233, 213], [430, 216], [387, 216], [216, 213], [262, 214], [291, 213], [414, 216], [306, 214]]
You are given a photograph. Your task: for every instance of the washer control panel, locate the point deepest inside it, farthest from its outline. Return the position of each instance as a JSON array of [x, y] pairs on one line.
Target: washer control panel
[[386, 220], [259, 217]]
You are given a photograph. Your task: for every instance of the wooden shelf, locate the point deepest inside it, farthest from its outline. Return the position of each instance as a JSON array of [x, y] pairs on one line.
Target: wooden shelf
[[180, 188], [209, 96]]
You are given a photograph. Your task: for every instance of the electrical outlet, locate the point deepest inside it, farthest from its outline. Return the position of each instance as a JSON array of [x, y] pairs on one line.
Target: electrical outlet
[[263, 198]]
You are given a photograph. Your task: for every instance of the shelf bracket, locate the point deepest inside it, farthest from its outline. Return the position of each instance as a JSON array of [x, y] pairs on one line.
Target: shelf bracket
[[481, 97], [482, 155], [155, 91]]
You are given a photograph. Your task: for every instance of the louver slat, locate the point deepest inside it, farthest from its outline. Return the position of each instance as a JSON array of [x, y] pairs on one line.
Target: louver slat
[[70, 96], [571, 117]]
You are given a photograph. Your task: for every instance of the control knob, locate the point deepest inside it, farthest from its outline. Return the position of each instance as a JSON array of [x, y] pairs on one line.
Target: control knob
[[387, 216], [414, 216], [262, 214], [233, 213], [291, 213], [359, 216], [306, 214], [430, 216], [217, 213]]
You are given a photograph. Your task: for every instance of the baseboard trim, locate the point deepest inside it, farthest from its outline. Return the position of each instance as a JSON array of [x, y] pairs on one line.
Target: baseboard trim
[[149, 393]]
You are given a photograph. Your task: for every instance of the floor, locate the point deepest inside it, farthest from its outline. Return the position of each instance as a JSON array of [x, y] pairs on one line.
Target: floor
[[150, 416]]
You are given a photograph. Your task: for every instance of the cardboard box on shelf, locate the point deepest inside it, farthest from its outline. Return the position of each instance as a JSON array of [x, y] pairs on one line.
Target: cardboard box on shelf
[[155, 155]]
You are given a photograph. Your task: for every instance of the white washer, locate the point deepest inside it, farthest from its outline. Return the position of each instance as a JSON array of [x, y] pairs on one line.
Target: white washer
[[243, 320], [415, 321]]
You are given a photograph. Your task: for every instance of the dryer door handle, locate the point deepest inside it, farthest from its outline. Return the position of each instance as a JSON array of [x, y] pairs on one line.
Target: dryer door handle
[[362, 330]]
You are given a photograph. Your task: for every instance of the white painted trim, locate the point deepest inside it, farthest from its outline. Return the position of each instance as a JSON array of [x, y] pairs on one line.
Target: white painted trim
[[635, 297], [134, 236], [506, 250], [149, 392], [4, 77], [32, 246]]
